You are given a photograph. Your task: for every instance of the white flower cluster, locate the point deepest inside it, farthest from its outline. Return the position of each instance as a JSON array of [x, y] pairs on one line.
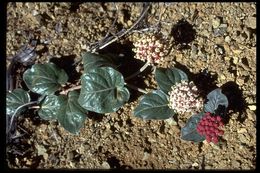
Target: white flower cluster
[[151, 48], [184, 97]]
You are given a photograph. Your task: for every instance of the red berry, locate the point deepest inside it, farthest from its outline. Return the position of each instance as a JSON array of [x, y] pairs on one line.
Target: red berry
[[208, 139], [215, 125], [210, 124], [215, 140], [218, 118], [207, 113], [220, 132], [202, 132], [212, 118], [221, 124], [212, 129]]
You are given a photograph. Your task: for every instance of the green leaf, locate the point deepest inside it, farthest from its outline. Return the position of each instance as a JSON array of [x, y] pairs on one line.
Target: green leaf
[[166, 78], [50, 106], [103, 90], [92, 61], [154, 105], [44, 79], [16, 98], [215, 99], [189, 131], [71, 115]]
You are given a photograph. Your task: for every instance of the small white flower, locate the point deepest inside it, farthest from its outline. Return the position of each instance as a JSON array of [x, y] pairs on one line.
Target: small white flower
[[184, 97], [151, 48]]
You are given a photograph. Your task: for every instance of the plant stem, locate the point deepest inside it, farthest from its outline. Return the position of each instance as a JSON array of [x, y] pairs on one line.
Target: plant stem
[[126, 32], [136, 88], [16, 111], [139, 71], [65, 92]]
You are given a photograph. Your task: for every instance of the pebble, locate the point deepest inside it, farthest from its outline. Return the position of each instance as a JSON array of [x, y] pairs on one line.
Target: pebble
[[146, 156], [243, 138], [240, 81], [227, 39], [195, 164], [242, 130], [251, 22], [105, 165], [216, 23], [251, 116], [235, 60], [235, 164], [252, 107], [35, 12]]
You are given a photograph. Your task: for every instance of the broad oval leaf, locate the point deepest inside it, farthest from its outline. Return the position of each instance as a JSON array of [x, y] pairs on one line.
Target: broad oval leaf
[[15, 99], [50, 106], [166, 78], [189, 131], [103, 90], [215, 99], [92, 61], [71, 115], [154, 105], [44, 79]]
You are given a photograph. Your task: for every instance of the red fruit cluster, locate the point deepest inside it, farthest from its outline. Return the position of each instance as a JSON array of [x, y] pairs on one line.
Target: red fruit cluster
[[209, 127]]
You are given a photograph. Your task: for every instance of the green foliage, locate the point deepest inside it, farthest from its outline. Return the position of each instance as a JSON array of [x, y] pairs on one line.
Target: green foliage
[[44, 79], [166, 78], [154, 105], [71, 115], [215, 99], [93, 61], [15, 99], [50, 106], [65, 109], [103, 90], [189, 131]]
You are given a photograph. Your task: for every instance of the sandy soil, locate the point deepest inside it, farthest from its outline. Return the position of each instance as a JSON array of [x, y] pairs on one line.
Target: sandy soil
[[219, 37]]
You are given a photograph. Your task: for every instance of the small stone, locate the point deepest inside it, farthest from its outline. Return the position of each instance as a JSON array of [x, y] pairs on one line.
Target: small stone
[[28, 162], [222, 77], [235, 60], [83, 46], [216, 23], [129, 23], [226, 58], [235, 164], [146, 156], [240, 81], [242, 130], [195, 164], [227, 39], [251, 116], [243, 138], [223, 25], [251, 22], [171, 121], [105, 165], [252, 107], [35, 12], [237, 51]]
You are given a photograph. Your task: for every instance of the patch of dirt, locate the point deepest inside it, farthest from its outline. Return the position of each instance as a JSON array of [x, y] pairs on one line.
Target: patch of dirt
[[215, 44]]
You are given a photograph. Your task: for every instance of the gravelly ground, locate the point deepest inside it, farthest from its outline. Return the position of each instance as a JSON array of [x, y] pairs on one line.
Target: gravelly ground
[[224, 44]]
